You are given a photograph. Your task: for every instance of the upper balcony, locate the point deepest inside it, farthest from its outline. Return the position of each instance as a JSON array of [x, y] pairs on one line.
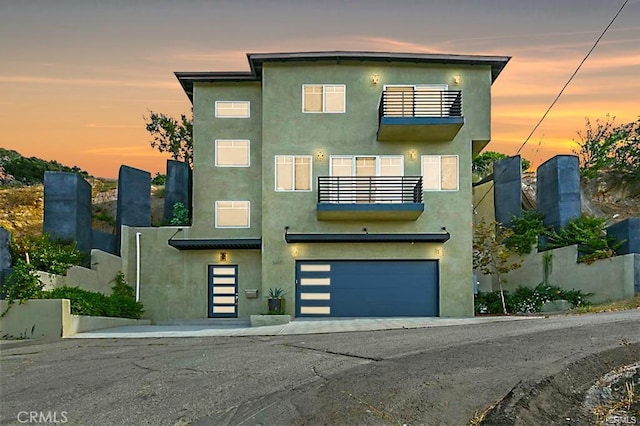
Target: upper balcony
[[369, 197], [411, 114]]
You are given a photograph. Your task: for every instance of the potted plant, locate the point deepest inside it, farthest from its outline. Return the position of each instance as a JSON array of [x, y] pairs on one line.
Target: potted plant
[[276, 300]]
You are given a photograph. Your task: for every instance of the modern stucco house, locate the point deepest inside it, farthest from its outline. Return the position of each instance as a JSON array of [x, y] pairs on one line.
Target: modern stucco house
[[342, 177]]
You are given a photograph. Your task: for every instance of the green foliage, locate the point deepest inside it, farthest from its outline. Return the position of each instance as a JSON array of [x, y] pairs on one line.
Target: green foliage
[[276, 293], [607, 146], [491, 255], [528, 300], [121, 303], [22, 284], [29, 171], [525, 230], [589, 233], [159, 179], [171, 135], [48, 254], [104, 216], [180, 215], [482, 165]]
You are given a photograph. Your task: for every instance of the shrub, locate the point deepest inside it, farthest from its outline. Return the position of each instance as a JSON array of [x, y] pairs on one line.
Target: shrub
[[159, 179], [48, 254], [180, 215], [526, 229], [528, 300], [22, 284]]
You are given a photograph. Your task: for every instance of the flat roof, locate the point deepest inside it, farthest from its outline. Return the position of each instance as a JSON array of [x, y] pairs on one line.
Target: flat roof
[[256, 61]]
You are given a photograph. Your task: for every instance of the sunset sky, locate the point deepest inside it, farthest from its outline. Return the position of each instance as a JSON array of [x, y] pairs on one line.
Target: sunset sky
[[77, 76]]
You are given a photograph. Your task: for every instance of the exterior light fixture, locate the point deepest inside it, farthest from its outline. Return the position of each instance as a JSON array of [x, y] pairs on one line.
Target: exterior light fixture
[[223, 256], [456, 79], [294, 251], [320, 155], [413, 154], [375, 79]]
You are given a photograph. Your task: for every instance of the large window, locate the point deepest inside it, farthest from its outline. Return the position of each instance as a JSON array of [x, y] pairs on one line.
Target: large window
[[353, 165], [233, 109], [232, 153], [440, 172], [293, 173], [323, 98], [232, 214]]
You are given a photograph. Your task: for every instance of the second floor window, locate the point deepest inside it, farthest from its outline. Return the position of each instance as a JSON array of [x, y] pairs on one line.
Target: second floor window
[[324, 98], [232, 109], [293, 173], [440, 172], [232, 214], [232, 153]]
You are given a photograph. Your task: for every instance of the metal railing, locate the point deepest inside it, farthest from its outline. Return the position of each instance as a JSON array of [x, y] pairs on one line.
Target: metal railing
[[369, 189], [421, 103]]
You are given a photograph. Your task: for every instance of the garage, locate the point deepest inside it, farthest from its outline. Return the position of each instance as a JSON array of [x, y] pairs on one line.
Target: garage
[[367, 288]]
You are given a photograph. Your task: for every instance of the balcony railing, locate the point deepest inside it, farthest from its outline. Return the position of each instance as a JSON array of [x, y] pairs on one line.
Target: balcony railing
[[421, 103], [369, 189]]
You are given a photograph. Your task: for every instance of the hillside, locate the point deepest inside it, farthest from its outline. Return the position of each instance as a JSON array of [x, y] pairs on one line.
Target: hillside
[[17, 170]]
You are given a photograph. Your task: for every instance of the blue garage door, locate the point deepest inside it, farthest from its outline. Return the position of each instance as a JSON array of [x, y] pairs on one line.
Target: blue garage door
[[367, 288]]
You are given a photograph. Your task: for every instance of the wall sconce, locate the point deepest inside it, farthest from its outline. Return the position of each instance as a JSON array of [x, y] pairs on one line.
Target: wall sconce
[[294, 251], [413, 154], [456, 79], [375, 79], [320, 155], [223, 256]]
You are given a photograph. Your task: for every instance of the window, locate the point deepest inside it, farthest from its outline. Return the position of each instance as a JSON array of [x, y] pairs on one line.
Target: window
[[232, 153], [323, 98], [232, 109], [383, 165], [440, 172], [232, 214], [293, 173]]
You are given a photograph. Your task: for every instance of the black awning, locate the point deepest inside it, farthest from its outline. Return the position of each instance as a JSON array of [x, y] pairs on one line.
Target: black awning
[[217, 244], [439, 237]]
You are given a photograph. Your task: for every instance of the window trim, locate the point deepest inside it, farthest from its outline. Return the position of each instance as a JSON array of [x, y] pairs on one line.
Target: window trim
[[440, 172], [275, 173], [232, 116], [344, 102], [215, 152], [233, 227]]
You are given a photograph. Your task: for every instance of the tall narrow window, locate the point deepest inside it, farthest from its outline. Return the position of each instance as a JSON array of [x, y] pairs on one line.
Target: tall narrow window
[[232, 153], [323, 98], [440, 172], [232, 214], [293, 173], [232, 109]]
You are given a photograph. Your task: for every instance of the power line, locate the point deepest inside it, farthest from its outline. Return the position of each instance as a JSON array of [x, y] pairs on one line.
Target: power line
[[557, 97]]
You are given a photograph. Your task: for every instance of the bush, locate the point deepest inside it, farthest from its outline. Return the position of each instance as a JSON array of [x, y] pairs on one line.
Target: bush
[[180, 215], [48, 254], [528, 300], [22, 284], [526, 229]]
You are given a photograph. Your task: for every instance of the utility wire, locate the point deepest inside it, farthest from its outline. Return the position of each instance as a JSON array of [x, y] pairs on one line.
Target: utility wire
[[556, 98]]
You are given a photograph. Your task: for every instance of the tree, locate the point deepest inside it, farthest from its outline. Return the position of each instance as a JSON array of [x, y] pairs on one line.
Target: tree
[[171, 135], [482, 165], [490, 254], [605, 146]]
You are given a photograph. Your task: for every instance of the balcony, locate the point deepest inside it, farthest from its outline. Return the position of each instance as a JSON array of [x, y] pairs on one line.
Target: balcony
[[369, 197], [420, 115]]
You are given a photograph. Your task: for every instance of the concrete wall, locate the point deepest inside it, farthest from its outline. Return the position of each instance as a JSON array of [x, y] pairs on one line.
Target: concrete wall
[[177, 188], [104, 241], [67, 208], [104, 268], [52, 318], [508, 189], [35, 318], [609, 279], [134, 199], [629, 231], [558, 190]]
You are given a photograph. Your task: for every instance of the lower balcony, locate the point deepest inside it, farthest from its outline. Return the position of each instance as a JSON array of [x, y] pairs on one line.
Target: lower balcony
[[369, 197]]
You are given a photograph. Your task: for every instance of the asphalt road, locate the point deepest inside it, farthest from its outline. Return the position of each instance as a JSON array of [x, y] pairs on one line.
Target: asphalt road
[[432, 376]]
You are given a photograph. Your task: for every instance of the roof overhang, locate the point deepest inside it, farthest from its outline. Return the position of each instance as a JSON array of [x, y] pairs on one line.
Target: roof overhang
[[217, 244], [257, 60], [436, 237]]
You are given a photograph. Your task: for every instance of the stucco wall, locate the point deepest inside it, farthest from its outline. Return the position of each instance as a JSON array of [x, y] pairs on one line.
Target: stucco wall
[[35, 318], [609, 279]]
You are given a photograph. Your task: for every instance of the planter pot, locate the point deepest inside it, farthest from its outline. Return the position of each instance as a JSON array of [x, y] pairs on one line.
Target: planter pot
[[276, 305]]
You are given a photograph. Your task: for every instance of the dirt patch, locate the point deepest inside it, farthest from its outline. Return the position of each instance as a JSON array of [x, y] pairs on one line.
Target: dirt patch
[[560, 398]]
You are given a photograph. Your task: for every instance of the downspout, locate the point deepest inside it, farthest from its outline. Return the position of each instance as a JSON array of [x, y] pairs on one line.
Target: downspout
[[138, 234]]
